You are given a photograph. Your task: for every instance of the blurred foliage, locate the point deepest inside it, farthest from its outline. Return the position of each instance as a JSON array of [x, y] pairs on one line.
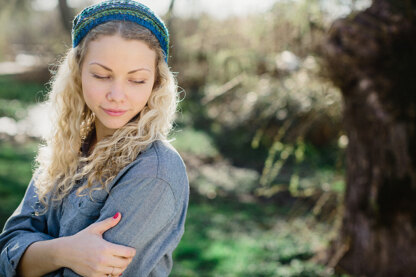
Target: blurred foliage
[[24, 92], [15, 173], [260, 131], [265, 107], [12, 109], [223, 237], [16, 97], [196, 142], [260, 240], [31, 31]]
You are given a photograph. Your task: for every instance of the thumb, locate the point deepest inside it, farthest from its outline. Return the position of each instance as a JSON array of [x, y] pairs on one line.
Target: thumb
[[102, 226]]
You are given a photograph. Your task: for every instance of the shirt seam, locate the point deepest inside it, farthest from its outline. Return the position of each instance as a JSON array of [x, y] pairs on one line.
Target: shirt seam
[[172, 217], [158, 176]]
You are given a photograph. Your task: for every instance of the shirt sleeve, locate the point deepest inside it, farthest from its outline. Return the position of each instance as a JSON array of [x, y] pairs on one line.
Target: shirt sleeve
[[149, 223], [21, 230]]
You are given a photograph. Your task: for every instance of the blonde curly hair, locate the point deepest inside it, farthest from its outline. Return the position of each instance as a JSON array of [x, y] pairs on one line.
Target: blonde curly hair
[[59, 162]]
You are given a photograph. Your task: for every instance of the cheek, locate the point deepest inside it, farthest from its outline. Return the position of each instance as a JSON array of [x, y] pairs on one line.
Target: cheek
[[149, 91], [139, 99], [85, 89], [91, 92], [88, 94]]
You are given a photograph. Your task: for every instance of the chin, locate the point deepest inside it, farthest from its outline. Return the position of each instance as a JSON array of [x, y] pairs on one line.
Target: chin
[[114, 125]]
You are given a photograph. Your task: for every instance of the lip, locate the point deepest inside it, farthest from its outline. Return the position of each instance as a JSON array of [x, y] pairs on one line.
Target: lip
[[114, 112]]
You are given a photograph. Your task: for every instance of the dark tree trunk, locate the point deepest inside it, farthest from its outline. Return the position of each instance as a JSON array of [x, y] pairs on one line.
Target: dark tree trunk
[[169, 18], [66, 15], [372, 57]]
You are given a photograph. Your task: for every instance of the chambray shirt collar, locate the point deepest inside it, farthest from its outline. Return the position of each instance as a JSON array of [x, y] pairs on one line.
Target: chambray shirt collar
[[85, 146]]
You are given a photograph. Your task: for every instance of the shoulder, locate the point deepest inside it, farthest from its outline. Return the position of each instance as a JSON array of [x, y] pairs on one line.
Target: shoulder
[[170, 163], [161, 161]]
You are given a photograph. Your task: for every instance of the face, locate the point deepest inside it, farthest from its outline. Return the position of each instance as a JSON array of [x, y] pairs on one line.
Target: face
[[117, 80]]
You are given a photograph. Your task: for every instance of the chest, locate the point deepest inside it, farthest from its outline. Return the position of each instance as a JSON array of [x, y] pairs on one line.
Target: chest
[[79, 211]]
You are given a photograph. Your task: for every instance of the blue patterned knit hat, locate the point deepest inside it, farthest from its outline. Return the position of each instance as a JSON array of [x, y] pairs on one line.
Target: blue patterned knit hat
[[124, 10]]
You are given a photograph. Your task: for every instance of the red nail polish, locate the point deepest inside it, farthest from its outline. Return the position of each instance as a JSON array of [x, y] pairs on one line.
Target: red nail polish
[[116, 215]]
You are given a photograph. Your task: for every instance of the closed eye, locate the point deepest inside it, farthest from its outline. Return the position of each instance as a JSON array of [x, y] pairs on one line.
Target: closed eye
[[100, 77], [108, 77], [138, 82]]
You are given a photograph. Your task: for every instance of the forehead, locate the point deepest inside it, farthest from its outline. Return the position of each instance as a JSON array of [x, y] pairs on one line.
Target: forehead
[[119, 52]]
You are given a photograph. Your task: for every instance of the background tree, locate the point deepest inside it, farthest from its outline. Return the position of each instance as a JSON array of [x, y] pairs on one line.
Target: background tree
[[371, 57], [67, 14]]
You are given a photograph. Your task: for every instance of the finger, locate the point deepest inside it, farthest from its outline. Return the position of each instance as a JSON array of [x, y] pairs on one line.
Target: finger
[[122, 251], [119, 262], [102, 226], [113, 271]]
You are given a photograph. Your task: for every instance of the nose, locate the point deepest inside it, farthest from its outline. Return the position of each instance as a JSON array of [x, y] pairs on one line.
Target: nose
[[116, 92]]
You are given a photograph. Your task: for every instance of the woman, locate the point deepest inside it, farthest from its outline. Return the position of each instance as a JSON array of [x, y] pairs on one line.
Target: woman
[[114, 99]]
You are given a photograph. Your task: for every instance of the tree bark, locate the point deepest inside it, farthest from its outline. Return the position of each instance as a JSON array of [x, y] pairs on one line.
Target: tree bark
[[66, 15], [371, 56], [169, 17]]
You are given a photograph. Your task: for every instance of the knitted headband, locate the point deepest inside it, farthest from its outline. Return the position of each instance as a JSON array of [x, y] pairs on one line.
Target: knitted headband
[[124, 10]]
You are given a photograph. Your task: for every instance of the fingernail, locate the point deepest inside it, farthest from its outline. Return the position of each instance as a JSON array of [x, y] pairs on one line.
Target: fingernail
[[116, 215]]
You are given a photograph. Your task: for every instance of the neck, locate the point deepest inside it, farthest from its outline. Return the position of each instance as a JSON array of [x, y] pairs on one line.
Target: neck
[[92, 143], [102, 131]]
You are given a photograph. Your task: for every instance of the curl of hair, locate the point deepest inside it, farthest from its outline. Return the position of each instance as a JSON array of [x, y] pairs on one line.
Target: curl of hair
[[60, 163]]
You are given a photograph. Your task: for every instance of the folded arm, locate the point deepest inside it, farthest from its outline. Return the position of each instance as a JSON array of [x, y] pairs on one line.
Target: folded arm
[[21, 230], [152, 223]]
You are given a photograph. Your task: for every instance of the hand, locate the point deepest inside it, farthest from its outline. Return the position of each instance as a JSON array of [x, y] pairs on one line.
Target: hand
[[88, 254]]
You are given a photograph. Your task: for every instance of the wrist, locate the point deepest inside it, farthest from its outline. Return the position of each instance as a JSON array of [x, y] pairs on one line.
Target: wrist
[[61, 253]]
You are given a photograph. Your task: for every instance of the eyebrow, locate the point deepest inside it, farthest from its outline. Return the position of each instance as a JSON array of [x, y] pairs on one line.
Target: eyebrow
[[130, 72]]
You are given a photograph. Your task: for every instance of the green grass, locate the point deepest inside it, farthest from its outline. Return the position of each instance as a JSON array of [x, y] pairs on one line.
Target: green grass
[[227, 238], [13, 108], [15, 173], [26, 92], [16, 97]]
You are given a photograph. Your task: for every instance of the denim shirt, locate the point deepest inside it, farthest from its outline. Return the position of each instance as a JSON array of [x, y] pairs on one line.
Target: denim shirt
[[152, 195]]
